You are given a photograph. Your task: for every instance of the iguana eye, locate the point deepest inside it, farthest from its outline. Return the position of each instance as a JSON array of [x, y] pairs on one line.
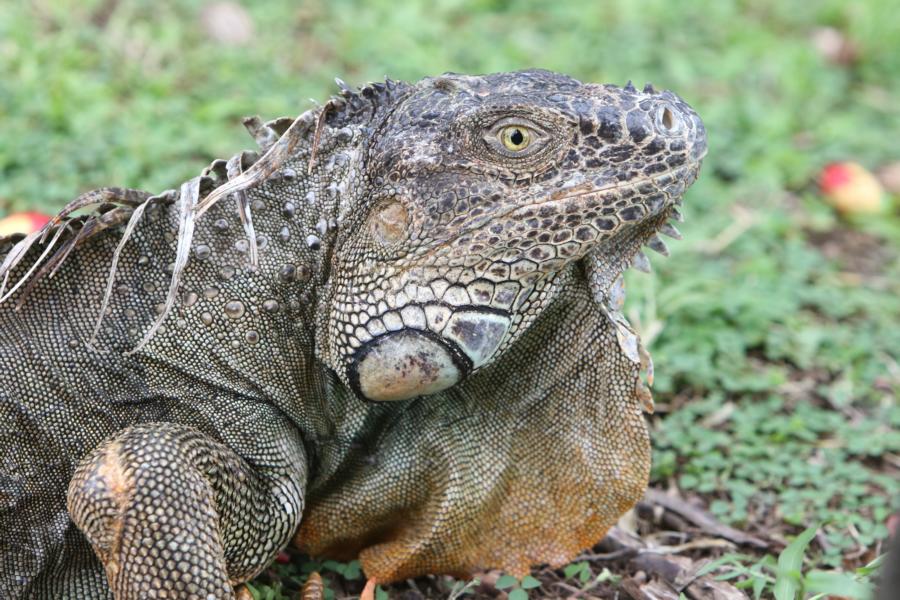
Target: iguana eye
[[515, 138]]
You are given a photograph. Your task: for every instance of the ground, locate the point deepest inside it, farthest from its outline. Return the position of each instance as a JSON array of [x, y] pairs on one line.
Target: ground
[[773, 325]]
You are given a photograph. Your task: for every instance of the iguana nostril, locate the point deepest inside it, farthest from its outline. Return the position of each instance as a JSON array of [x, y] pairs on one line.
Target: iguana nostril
[[388, 223], [667, 121]]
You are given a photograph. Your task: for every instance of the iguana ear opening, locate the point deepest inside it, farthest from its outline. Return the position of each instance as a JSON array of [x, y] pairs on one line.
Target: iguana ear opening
[[388, 223]]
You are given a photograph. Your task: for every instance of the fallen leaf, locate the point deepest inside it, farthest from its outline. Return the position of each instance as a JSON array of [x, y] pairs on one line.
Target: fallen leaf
[[835, 47], [228, 23]]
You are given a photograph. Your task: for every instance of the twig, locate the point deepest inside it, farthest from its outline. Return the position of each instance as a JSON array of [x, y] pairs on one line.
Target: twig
[[743, 221], [576, 592], [701, 519], [860, 548], [621, 553], [701, 544]]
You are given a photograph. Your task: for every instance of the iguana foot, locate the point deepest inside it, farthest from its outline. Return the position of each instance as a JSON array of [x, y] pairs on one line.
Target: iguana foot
[[314, 588], [172, 513]]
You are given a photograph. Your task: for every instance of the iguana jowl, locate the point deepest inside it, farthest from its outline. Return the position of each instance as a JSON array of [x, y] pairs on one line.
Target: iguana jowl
[[396, 334]]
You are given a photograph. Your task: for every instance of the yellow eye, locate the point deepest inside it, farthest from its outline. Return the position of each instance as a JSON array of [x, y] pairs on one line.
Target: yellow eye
[[515, 138]]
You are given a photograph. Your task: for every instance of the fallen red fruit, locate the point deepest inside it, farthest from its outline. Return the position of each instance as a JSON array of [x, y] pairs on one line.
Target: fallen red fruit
[[850, 188], [23, 222]]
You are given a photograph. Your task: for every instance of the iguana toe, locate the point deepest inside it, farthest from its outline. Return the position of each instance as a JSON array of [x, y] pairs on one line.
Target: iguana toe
[[314, 588], [242, 593]]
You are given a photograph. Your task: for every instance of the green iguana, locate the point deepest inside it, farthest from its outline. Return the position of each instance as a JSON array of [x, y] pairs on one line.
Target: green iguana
[[394, 334]]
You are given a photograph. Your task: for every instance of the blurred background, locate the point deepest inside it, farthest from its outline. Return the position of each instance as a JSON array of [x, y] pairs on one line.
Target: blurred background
[[775, 324]]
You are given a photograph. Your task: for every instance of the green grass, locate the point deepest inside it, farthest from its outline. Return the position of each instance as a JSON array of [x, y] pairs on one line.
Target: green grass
[[774, 325]]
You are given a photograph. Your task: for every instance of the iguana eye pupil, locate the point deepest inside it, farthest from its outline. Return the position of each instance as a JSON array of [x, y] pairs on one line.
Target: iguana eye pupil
[[515, 138]]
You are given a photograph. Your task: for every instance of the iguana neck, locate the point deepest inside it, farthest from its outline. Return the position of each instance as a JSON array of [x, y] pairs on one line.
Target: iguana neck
[[296, 214]]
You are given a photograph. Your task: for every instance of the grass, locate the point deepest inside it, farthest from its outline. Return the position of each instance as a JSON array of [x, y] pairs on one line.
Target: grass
[[773, 326]]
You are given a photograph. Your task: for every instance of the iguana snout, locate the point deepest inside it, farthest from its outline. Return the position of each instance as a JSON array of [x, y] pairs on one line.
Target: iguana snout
[[480, 191]]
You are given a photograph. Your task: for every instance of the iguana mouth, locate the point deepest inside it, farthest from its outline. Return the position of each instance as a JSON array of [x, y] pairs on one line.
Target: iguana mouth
[[618, 234], [670, 184], [674, 177]]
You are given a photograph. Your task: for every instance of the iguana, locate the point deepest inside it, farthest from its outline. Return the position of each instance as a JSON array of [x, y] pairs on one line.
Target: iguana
[[395, 334]]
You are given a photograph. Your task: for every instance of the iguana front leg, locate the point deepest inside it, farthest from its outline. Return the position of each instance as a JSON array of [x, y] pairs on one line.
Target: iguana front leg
[[173, 513]]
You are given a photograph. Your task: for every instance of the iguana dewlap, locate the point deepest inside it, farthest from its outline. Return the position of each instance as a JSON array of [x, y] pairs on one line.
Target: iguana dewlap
[[394, 333]]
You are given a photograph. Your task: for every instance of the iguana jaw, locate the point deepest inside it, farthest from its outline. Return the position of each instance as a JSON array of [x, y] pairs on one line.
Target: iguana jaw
[[416, 360], [624, 249]]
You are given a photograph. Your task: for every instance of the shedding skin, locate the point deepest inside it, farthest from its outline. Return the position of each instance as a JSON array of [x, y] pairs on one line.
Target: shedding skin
[[234, 169], [111, 279], [406, 345], [187, 203], [34, 266]]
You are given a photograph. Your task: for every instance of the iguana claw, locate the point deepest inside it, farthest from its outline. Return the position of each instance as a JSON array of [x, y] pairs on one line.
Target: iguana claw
[[314, 588], [243, 593], [368, 592]]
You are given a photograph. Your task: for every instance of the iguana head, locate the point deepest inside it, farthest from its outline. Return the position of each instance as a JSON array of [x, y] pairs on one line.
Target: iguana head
[[475, 192]]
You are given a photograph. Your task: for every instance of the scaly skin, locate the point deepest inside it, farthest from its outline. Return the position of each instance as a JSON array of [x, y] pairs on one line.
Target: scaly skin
[[420, 361]]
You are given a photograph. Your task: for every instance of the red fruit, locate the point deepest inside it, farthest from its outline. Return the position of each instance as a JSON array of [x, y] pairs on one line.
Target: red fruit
[[850, 188], [23, 222], [833, 176]]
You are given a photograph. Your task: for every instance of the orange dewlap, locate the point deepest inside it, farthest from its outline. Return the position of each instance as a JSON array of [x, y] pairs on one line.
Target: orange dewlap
[[529, 461]]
